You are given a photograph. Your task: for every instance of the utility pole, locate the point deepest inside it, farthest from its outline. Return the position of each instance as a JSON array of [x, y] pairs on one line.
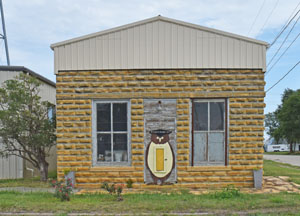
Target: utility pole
[[3, 36]]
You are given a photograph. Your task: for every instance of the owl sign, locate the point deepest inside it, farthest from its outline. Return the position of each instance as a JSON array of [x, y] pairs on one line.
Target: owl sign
[[160, 156]]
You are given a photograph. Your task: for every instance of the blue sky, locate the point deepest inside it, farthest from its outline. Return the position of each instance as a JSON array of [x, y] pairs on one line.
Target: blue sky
[[33, 25]]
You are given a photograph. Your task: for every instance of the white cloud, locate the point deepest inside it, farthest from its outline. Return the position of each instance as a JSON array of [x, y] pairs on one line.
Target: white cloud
[[33, 25]]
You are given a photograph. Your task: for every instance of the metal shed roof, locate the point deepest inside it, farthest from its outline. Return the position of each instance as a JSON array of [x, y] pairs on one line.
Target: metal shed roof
[[159, 43], [26, 70]]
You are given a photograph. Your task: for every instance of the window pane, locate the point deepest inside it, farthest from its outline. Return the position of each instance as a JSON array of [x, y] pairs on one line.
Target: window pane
[[216, 151], [120, 116], [120, 147], [104, 147], [50, 113], [103, 117], [200, 116], [216, 115], [200, 140]]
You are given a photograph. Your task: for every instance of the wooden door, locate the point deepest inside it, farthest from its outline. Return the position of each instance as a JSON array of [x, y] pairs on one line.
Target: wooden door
[[160, 159]]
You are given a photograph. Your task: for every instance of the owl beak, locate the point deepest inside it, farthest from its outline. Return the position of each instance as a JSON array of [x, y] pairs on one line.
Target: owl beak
[[159, 138]]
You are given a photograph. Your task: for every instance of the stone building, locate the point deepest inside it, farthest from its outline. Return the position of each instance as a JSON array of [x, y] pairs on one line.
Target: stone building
[[160, 101]]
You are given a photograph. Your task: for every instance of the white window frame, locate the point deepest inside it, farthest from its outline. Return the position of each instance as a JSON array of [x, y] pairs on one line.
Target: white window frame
[[94, 133], [225, 131]]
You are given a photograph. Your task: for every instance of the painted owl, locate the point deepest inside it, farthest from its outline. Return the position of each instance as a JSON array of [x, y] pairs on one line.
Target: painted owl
[[160, 156]]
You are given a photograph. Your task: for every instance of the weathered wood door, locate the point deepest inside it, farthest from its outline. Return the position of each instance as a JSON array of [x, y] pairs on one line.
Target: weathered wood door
[[160, 114]]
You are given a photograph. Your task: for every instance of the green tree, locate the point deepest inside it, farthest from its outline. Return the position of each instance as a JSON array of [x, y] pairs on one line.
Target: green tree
[[289, 118], [277, 127], [272, 123], [25, 129], [273, 126], [286, 94]]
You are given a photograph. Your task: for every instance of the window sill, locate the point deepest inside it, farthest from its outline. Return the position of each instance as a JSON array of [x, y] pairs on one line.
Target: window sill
[[112, 168], [206, 167], [111, 164]]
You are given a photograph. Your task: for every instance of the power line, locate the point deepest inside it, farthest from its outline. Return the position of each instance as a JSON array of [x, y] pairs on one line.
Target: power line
[[261, 7], [285, 26], [283, 76], [283, 42], [283, 53], [270, 14]]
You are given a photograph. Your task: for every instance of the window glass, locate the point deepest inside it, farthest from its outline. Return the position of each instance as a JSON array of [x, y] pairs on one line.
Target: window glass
[[200, 116], [216, 116], [50, 113], [216, 147], [209, 132], [112, 132], [120, 148], [200, 147], [104, 147], [120, 117], [103, 117]]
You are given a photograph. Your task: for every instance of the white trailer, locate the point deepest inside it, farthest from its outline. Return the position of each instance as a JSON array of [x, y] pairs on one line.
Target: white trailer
[[278, 148]]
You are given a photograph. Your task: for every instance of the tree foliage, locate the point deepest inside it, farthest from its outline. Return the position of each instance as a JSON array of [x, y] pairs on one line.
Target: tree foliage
[[284, 122], [289, 118], [272, 126], [25, 129]]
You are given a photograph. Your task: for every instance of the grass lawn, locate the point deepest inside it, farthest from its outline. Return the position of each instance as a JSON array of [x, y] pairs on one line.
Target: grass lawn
[[282, 153], [272, 168], [223, 203], [283, 203], [32, 182]]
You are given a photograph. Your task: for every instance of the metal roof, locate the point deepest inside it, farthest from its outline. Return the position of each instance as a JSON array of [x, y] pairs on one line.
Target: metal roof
[[156, 18], [159, 43], [26, 70]]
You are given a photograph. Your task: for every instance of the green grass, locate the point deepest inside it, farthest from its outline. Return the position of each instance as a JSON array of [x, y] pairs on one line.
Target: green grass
[[29, 182], [282, 153], [151, 203], [32, 183], [229, 201], [272, 168]]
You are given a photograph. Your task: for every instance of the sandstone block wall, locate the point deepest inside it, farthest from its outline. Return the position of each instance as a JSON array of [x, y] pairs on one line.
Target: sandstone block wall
[[244, 90]]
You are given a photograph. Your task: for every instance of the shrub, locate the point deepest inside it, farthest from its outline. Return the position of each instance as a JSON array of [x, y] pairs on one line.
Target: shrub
[[119, 192], [66, 171], [228, 192], [113, 188], [62, 191], [110, 188], [129, 183]]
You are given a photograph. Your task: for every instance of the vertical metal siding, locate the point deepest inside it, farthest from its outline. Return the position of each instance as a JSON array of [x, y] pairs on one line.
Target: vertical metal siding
[[218, 51], [174, 43], [136, 47], [68, 49], [180, 46], [159, 44], [199, 40], [11, 167], [193, 47]]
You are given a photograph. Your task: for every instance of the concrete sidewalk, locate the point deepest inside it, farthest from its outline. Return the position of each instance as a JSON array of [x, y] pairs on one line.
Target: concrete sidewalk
[[289, 159], [31, 189], [27, 189]]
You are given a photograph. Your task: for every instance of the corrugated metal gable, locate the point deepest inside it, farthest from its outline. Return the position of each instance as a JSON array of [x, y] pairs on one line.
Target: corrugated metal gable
[[159, 44]]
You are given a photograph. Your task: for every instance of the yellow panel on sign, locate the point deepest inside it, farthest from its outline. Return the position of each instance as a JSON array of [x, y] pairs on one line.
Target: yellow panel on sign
[[159, 159]]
